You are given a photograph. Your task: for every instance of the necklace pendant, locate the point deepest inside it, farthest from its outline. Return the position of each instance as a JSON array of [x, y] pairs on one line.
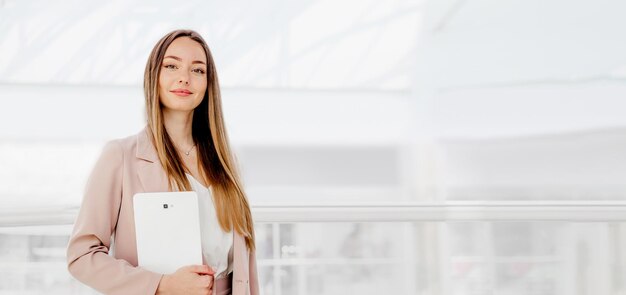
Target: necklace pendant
[[189, 151]]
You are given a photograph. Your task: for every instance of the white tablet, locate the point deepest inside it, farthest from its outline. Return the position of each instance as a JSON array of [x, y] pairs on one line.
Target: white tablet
[[167, 229]]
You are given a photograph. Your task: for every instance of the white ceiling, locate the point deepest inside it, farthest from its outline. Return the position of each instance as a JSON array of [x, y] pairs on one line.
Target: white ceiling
[[472, 68], [286, 44]]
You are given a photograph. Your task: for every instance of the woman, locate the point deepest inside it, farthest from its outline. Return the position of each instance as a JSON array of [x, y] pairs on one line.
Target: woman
[[183, 147]]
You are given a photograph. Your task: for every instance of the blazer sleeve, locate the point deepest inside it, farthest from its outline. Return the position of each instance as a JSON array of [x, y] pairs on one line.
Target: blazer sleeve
[[254, 278], [88, 249]]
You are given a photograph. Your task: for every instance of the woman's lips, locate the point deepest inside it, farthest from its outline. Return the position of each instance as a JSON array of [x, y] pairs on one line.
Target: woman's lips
[[181, 92]]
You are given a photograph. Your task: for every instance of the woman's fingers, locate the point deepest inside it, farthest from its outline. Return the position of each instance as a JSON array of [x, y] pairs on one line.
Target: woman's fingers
[[201, 269]]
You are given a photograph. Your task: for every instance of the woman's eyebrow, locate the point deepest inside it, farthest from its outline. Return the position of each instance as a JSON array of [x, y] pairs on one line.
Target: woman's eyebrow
[[180, 59]]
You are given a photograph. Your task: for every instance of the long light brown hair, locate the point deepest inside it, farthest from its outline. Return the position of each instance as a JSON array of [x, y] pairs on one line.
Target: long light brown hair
[[215, 160]]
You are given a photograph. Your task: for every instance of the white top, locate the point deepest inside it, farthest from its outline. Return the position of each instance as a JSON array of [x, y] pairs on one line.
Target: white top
[[217, 245]]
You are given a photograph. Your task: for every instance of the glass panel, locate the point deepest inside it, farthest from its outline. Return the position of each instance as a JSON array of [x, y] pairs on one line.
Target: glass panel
[[456, 258], [264, 243], [527, 277], [354, 279], [35, 264], [266, 279]]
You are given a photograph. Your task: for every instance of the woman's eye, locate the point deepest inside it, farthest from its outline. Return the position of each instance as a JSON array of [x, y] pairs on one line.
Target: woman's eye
[[169, 66], [199, 71]]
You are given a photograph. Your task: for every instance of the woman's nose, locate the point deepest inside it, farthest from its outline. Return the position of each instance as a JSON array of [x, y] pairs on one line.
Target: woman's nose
[[184, 78]]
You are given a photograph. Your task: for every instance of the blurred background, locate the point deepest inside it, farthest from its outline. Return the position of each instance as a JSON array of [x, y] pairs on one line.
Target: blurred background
[[387, 147]]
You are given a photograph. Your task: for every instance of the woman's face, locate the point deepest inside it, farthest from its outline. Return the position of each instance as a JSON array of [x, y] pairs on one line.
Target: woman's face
[[183, 80]]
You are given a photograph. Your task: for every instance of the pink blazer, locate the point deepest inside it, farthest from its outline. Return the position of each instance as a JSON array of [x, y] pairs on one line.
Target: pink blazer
[[128, 166]]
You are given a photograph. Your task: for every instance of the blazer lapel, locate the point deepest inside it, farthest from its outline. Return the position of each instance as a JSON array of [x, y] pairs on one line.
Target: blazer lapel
[[150, 172]]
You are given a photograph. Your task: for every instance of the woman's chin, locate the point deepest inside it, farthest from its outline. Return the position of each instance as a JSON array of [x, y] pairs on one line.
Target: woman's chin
[[181, 104]]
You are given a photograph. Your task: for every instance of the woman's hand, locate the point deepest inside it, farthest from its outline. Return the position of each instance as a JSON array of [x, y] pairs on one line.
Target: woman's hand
[[191, 279]]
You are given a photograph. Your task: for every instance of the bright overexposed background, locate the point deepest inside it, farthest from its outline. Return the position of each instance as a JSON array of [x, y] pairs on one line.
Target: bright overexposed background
[[419, 104]]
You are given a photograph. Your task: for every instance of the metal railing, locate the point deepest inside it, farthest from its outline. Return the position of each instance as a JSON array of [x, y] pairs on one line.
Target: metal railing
[[574, 211]]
